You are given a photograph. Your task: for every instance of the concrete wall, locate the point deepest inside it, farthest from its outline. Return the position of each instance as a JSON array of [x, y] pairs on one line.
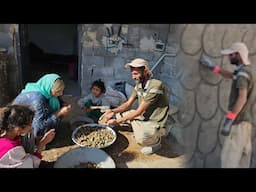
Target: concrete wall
[[200, 96], [54, 38], [101, 58], [205, 97]]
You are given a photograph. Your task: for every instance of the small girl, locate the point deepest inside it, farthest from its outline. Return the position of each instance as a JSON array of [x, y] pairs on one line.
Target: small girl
[[15, 121]]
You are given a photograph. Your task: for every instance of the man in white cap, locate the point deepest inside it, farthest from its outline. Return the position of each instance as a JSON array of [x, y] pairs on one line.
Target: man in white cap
[[150, 118], [236, 151]]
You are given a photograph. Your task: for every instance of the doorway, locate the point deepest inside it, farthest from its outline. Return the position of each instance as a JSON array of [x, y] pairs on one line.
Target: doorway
[[50, 48]]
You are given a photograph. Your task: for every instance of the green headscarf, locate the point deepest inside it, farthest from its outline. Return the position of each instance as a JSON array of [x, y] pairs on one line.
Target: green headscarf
[[44, 86]]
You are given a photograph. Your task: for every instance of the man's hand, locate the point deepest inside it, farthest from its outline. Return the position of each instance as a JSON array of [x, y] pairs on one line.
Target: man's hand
[[230, 117], [204, 60], [227, 127], [106, 116], [112, 122]]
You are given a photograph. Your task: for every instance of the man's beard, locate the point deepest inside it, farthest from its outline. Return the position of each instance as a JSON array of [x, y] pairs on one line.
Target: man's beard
[[234, 61], [140, 80]]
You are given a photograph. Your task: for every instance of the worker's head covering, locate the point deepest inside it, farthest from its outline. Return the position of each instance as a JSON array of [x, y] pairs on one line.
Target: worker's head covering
[[241, 48]]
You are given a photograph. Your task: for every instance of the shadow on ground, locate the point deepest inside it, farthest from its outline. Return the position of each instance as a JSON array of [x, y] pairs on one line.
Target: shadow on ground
[[62, 137], [171, 148], [116, 151]]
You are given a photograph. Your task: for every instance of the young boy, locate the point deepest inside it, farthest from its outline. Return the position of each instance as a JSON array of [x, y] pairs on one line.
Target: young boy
[[100, 96]]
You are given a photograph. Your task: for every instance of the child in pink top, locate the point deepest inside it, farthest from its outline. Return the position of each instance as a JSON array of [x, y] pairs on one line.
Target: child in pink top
[[15, 121]]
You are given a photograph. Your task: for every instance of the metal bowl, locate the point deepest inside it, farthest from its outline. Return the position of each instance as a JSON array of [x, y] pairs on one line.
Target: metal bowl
[[93, 125], [82, 155]]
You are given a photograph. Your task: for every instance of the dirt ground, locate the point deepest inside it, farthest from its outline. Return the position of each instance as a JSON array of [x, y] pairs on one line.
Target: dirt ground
[[124, 151]]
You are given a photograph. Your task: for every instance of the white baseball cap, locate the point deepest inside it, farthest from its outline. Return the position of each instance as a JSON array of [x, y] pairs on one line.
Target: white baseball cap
[[241, 48], [138, 62]]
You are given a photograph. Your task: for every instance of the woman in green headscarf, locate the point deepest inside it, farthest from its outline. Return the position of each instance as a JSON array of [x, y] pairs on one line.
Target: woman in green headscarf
[[48, 86], [43, 97]]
